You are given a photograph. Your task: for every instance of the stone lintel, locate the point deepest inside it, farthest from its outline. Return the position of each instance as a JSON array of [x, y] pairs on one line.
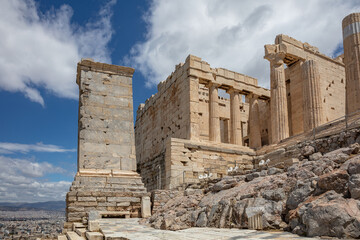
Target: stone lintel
[[90, 65], [294, 50]]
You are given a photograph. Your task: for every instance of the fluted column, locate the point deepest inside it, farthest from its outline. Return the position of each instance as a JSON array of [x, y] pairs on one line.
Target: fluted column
[[235, 118], [278, 101], [214, 120], [351, 42], [313, 107], [254, 122]]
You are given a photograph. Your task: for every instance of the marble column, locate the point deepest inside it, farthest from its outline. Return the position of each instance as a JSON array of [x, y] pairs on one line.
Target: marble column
[[214, 120], [313, 107], [351, 42], [254, 122], [278, 101], [235, 117]]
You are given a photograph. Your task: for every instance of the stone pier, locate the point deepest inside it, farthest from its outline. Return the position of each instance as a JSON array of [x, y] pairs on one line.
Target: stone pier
[[351, 38], [106, 180], [313, 107]]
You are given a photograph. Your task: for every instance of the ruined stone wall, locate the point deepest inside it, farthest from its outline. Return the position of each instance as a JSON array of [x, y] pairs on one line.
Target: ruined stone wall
[[106, 136], [181, 110], [224, 113], [201, 76], [332, 84], [165, 114], [186, 160]]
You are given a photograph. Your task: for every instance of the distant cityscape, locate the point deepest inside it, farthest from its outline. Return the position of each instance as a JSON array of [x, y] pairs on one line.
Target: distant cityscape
[[22, 223]]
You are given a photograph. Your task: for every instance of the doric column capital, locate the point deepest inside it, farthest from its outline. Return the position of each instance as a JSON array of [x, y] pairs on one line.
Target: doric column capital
[[213, 84], [233, 90], [276, 58], [253, 96]]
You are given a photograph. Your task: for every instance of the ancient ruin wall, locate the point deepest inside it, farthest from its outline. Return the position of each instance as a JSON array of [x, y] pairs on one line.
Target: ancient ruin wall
[[224, 113], [332, 85], [186, 160], [106, 136], [165, 114], [180, 110]]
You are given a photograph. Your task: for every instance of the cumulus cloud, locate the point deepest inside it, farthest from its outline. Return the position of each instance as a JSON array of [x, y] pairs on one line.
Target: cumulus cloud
[[9, 148], [40, 50], [232, 33], [20, 181]]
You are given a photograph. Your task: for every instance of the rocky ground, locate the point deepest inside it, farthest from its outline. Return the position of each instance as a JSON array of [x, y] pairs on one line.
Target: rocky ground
[[318, 196]]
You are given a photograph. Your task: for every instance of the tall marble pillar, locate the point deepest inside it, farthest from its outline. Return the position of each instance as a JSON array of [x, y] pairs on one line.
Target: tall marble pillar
[[351, 42], [313, 107], [254, 122], [235, 118], [214, 119], [278, 102]]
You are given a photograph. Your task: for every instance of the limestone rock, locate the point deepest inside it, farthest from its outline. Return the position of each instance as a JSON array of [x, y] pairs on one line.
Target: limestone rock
[[336, 180], [307, 151], [354, 186], [330, 215], [315, 156], [354, 166], [202, 220], [297, 196]]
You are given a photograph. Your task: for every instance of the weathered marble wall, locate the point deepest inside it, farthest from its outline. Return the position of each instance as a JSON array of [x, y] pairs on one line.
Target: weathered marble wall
[[106, 136]]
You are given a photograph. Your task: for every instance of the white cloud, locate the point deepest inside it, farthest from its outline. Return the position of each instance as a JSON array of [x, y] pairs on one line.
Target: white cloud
[[19, 181], [232, 33], [40, 51], [9, 148]]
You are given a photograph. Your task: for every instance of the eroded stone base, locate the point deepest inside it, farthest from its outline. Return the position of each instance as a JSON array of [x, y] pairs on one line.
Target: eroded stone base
[[104, 191]]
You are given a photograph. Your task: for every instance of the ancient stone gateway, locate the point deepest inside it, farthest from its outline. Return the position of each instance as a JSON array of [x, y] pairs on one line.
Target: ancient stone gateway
[[106, 179], [196, 125], [306, 94]]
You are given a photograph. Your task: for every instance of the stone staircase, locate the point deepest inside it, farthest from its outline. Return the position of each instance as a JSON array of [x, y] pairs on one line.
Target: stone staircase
[[80, 232]]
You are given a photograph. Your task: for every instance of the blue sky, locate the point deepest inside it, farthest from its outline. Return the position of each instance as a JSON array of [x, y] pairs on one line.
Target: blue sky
[[43, 40]]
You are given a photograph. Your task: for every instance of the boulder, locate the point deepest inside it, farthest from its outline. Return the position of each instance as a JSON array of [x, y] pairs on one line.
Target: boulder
[[336, 180], [354, 186], [307, 151], [274, 170], [300, 193], [339, 155], [354, 166], [329, 215], [202, 220], [224, 184], [274, 194], [315, 156]]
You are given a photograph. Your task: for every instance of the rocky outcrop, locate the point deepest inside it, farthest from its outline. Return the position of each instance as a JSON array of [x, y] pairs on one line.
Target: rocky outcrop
[[318, 196]]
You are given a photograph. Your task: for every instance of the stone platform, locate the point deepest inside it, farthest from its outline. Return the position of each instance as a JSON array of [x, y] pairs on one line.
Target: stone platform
[[132, 230], [105, 190]]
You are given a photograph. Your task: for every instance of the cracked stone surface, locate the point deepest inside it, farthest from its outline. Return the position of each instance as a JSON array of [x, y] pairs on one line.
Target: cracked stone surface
[[132, 230]]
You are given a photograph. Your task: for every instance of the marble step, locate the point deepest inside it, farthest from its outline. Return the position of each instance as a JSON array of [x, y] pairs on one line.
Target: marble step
[[62, 237], [81, 231], [94, 236], [74, 236]]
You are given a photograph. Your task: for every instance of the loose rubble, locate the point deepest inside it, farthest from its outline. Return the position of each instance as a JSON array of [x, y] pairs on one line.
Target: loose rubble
[[317, 196]]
